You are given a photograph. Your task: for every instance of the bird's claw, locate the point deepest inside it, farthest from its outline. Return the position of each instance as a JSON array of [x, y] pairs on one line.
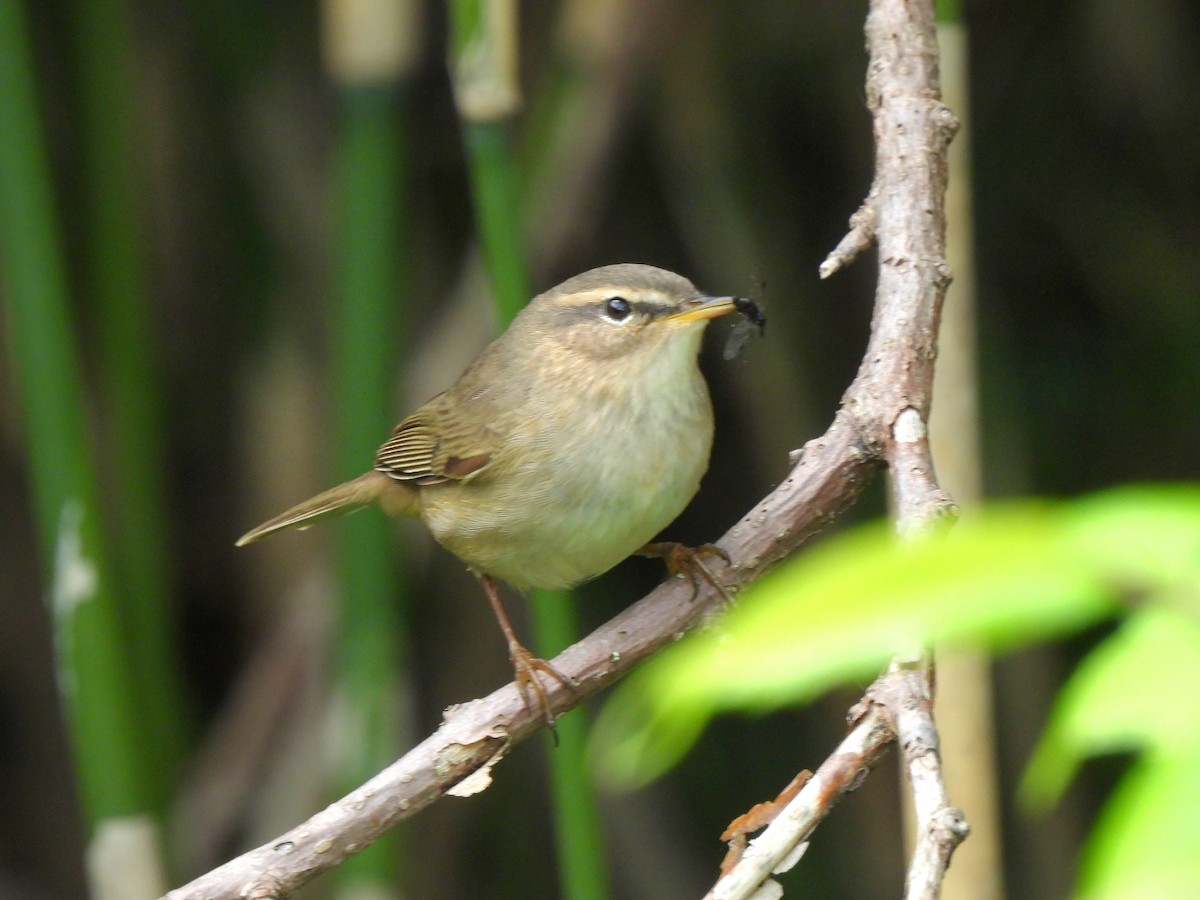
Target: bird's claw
[[683, 560], [525, 669]]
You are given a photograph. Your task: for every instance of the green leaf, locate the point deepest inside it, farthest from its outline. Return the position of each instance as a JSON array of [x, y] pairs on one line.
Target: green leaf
[[1009, 576], [1144, 845], [1144, 536], [1128, 694]]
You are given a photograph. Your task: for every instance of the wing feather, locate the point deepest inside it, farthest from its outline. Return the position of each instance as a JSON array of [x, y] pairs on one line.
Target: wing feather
[[434, 445]]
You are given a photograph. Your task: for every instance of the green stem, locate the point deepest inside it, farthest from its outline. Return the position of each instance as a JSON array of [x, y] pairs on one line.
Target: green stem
[[95, 673], [494, 184], [129, 377], [948, 11], [371, 649], [494, 190], [576, 821]]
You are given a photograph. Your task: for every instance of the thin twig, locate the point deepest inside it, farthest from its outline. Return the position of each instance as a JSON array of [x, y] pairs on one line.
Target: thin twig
[[778, 847], [860, 237], [905, 692]]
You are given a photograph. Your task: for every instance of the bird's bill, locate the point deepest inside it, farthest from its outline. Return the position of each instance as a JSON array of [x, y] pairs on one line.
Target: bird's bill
[[703, 308]]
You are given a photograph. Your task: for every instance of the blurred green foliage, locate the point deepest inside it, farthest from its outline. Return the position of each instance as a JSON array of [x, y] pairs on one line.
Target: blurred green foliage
[[1131, 695], [104, 702], [725, 140], [1006, 577]]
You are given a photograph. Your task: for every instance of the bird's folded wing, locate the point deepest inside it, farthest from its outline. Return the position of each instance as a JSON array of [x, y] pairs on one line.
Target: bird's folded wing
[[433, 446]]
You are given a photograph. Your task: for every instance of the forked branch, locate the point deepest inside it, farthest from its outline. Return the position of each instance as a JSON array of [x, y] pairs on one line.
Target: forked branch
[[881, 422]]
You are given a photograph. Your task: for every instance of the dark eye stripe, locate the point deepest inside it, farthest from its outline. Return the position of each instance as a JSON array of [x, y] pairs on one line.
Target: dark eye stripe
[[641, 310]]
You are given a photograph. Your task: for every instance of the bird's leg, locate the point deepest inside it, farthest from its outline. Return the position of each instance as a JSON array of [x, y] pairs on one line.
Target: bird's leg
[[683, 560], [525, 664]]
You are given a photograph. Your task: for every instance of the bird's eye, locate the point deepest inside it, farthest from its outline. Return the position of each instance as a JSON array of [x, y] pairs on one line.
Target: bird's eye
[[617, 309]]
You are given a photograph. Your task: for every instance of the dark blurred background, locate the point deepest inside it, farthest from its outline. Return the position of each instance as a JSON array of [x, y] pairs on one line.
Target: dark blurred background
[[728, 141]]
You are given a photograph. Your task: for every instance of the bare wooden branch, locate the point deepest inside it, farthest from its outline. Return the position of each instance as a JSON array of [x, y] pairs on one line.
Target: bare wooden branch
[[918, 502], [912, 132], [889, 401], [881, 421], [906, 693], [829, 474], [859, 238], [896, 707], [779, 846]]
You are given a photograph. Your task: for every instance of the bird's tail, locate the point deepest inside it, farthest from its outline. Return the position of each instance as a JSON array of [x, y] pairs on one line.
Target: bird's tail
[[373, 487]]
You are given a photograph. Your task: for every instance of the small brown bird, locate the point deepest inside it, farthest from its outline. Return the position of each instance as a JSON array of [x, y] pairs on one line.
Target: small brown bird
[[572, 440]]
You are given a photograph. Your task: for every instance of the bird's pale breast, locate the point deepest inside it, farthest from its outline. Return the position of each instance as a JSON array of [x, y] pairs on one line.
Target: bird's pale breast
[[598, 476]]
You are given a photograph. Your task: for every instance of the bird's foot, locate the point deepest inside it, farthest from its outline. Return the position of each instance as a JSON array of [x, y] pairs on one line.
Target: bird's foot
[[525, 669], [683, 560]]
